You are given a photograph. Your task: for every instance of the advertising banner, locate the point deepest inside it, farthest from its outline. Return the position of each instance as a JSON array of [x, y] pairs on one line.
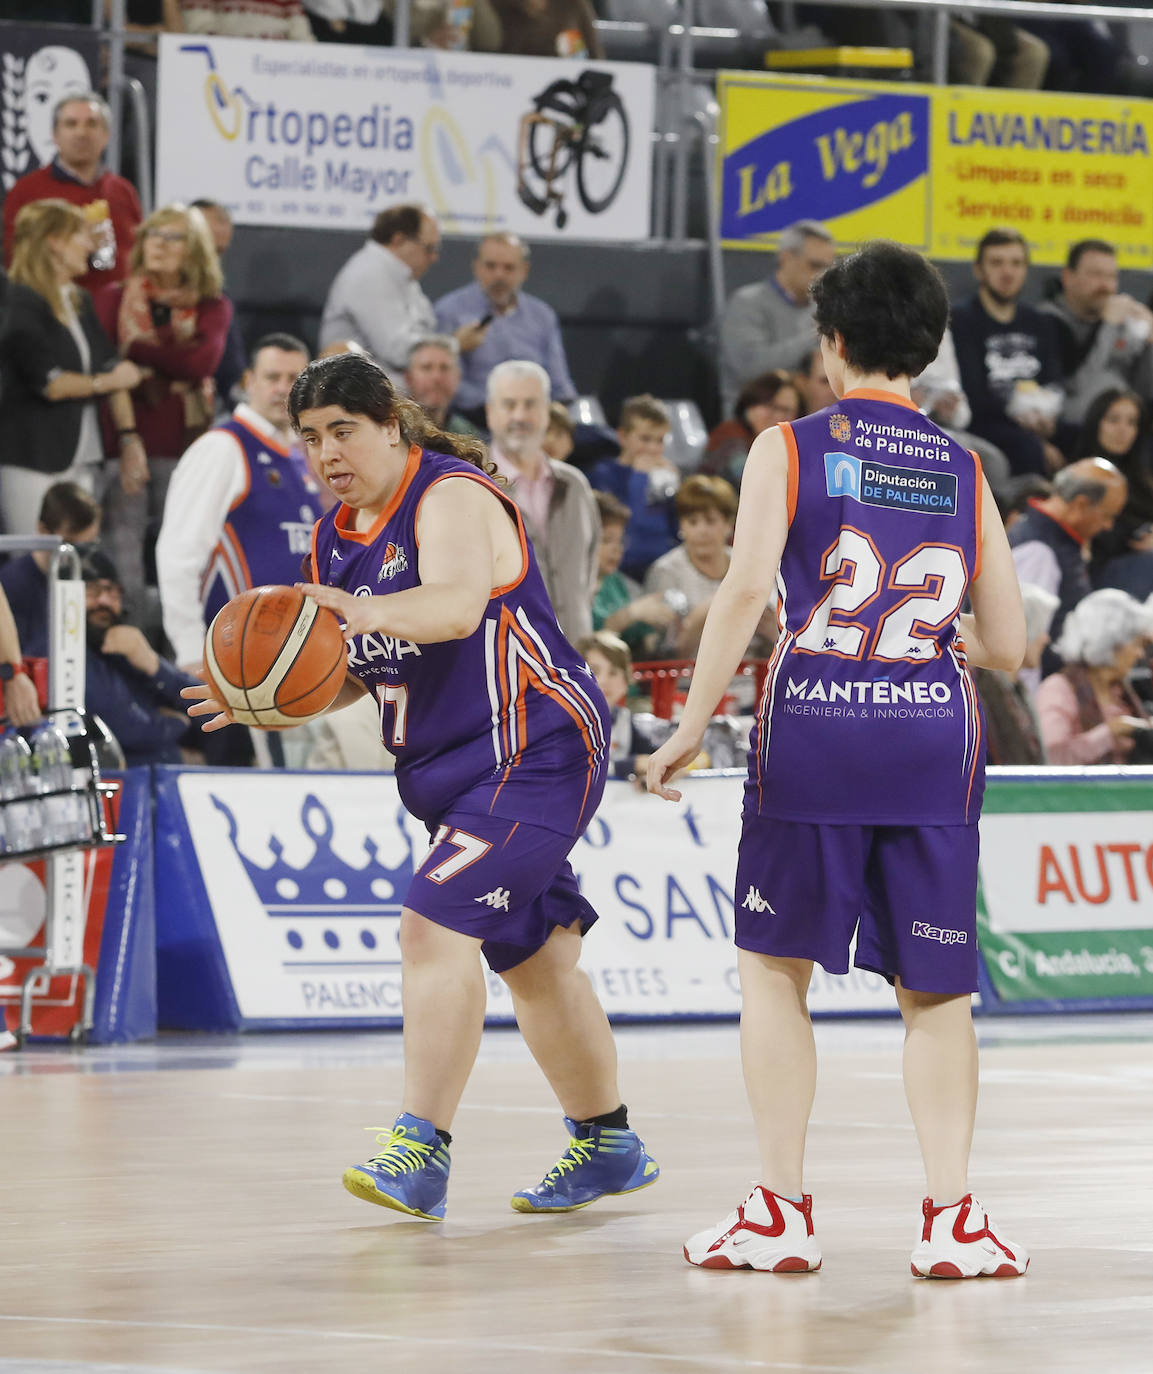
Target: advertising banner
[[298, 134], [39, 66], [934, 167], [1067, 882], [283, 903]]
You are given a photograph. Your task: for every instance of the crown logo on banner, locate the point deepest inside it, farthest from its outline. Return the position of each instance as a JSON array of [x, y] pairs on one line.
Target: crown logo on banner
[[325, 883]]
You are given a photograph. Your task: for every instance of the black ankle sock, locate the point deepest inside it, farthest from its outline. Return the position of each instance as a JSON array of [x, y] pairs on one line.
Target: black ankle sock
[[444, 1135], [617, 1121]]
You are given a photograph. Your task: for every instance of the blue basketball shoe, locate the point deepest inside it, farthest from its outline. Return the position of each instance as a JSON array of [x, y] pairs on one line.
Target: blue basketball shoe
[[600, 1161], [410, 1174]]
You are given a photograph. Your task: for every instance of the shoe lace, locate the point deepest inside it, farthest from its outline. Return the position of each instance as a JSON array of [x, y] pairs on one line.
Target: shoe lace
[[578, 1152], [402, 1153]]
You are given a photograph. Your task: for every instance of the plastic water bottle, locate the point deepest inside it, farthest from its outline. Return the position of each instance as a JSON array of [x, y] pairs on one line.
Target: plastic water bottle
[[53, 774], [22, 831]]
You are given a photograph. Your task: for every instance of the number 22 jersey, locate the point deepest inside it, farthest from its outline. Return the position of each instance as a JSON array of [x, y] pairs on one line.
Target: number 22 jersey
[[508, 722], [869, 714]]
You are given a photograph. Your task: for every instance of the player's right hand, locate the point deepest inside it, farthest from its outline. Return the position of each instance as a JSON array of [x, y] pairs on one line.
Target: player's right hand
[[205, 704], [673, 757]]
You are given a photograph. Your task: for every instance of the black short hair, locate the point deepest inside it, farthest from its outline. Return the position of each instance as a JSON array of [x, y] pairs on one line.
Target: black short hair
[[1083, 246], [890, 306], [404, 220], [1001, 237], [67, 508], [287, 343]]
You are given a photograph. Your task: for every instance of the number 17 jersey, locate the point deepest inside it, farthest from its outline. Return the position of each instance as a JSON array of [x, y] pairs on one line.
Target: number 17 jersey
[[869, 714]]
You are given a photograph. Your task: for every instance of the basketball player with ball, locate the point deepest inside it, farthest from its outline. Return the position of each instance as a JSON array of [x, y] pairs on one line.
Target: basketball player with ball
[[870, 528], [501, 741]]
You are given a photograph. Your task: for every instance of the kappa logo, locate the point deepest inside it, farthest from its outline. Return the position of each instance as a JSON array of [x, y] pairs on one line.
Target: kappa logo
[[395, 561], [755, 902], [336, 553], [840, 428], [942, 937], [497, 899]]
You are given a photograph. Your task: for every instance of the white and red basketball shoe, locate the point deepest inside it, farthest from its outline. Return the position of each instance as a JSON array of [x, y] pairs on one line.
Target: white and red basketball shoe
[[766, 1232], [957, 1242]]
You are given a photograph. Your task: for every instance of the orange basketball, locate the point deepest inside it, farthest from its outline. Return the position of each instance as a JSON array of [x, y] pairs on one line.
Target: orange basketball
[[274, 657]]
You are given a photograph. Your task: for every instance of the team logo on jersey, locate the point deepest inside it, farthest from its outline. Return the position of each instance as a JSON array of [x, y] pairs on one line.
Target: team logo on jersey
[[273, 476], [879, 484], [840, 428], [497, 898], [755, 902], [394, 562]]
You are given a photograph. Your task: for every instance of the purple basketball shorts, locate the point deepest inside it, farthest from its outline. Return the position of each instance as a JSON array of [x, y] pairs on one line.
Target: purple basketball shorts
[[910, 892], [507, 883]]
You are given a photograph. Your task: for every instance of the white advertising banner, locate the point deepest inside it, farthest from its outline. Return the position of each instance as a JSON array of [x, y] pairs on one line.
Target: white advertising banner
[[326, 136], [306, 872]]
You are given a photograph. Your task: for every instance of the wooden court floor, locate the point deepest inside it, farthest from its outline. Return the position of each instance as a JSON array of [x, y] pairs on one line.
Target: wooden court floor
[[177, 1208]]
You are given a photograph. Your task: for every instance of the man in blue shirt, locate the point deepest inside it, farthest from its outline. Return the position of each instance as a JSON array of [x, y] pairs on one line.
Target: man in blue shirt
[[68, 512], [495, 321]]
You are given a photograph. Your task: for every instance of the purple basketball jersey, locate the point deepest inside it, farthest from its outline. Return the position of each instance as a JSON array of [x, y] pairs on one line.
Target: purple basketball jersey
[[869, 713], [508, 722]]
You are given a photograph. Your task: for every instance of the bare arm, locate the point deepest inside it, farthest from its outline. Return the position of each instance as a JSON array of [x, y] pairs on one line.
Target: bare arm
[[737, 605], [994, 633]]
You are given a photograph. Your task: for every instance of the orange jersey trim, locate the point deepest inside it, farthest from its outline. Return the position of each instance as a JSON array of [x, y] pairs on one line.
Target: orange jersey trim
[[263, 439], [868, 393], [794, 466], [506, 501], [979, 504], [345, 513]]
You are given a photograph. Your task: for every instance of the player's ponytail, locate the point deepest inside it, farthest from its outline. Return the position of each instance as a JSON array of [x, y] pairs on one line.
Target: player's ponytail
[[361, 387]]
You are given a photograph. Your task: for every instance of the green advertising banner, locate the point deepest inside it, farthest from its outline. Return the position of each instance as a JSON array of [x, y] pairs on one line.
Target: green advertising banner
[[1066, 905]]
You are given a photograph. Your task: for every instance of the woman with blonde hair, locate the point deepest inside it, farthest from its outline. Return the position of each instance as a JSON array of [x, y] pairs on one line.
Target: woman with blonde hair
[[55, 364], [168, 315]]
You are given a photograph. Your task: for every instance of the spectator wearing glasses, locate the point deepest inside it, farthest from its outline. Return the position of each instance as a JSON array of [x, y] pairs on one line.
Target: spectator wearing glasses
[[769, 324], [377, 298]]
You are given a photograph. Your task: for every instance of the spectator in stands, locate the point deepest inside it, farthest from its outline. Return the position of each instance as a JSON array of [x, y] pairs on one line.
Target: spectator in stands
[[1092, 56], [1089, 714], [20, 702], [80, 127], [1117, 426], [763, 402], [234, 358], [630, 744], [239, 513], [619, 604], [432, 378], [644, 480], [706, 508], [170, 316], [70, 513], [549, 28], [1049, 541], [127, 684], [559, 436], [1014, 502], [55, 363], [1103, 334], [555, 499], [816, 393], [939, 393], [268, 19], [495, 320], [146, 20], [363, 22], [376, 297], [770, 323], [1012, 729], [1008, 358], [444, 24]]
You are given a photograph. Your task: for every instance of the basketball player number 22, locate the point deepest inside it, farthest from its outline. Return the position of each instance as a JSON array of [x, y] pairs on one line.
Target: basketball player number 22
[[934, 575]]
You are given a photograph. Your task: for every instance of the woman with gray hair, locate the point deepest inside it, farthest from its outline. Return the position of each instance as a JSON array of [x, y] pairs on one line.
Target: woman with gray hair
[[1012, 729], [1089, 713]]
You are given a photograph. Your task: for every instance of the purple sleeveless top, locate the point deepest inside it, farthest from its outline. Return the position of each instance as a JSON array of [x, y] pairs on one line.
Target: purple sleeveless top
[[268, 529], [508, 722], [869, 714]]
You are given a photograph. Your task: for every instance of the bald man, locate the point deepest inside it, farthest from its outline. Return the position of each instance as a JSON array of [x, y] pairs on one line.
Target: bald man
[[1051, 539], [495, 320]]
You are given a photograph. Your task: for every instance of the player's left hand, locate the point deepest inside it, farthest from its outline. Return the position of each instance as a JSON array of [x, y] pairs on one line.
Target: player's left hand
[[205, 704], [673, 757], [357, 614]]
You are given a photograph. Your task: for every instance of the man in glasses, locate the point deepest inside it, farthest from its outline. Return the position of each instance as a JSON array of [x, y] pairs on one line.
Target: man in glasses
[[770, 323], [77, 174], [377, 298]]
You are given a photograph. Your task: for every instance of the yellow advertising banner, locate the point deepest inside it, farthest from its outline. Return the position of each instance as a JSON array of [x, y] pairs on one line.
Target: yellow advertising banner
[[934, 167]]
